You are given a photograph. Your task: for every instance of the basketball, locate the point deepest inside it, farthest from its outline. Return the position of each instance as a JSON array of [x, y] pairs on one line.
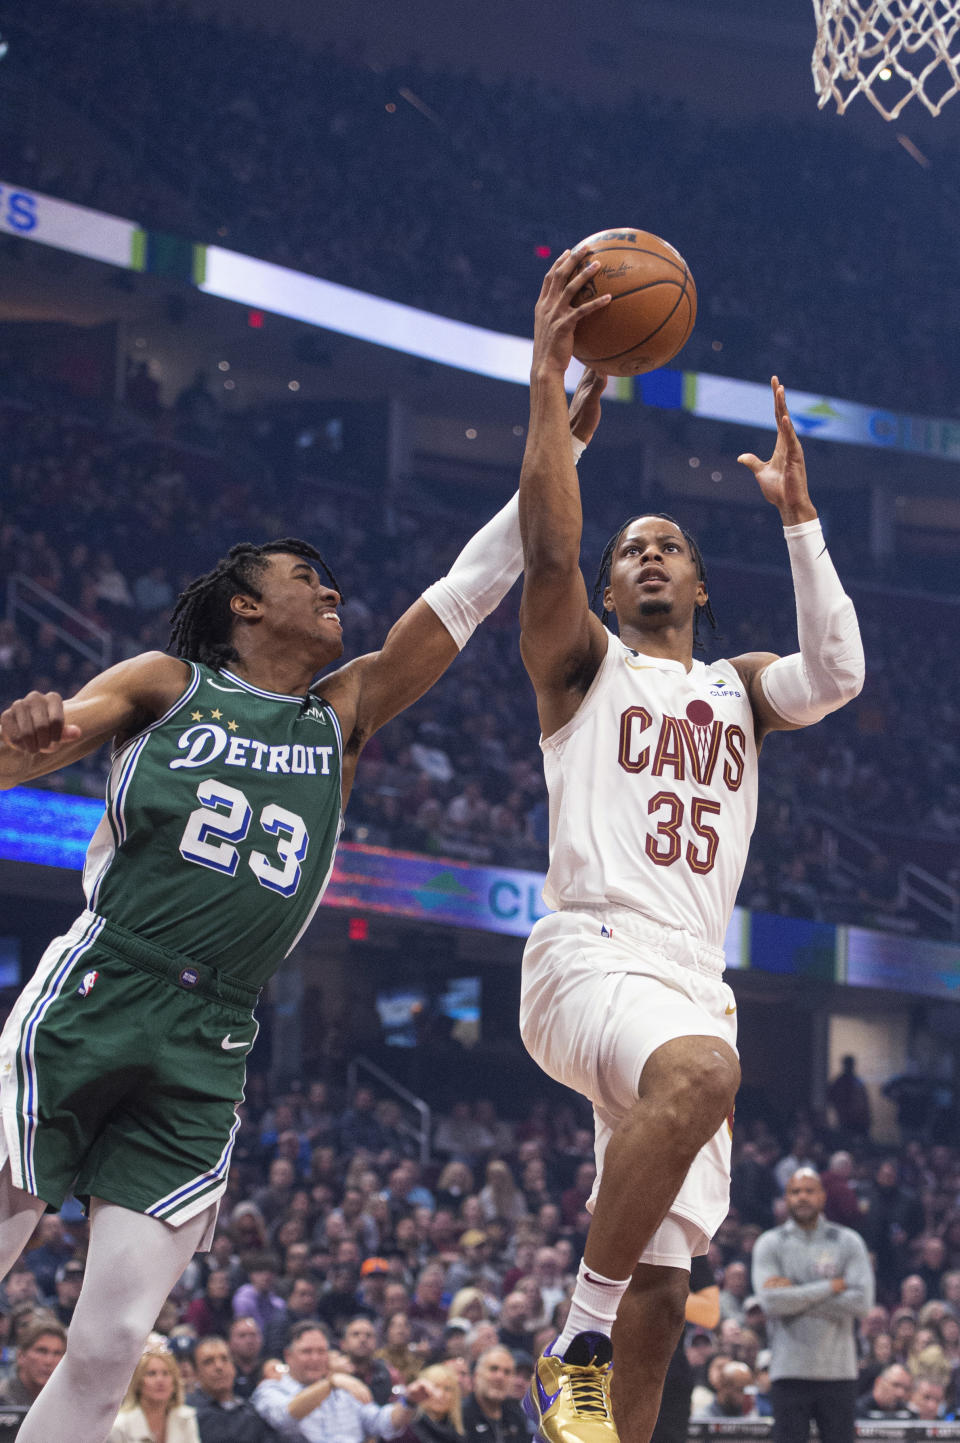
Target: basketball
[[654, 303]]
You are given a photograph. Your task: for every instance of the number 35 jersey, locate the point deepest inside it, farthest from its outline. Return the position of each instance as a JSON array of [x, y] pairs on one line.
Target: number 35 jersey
[[221, 825], [653, 792]]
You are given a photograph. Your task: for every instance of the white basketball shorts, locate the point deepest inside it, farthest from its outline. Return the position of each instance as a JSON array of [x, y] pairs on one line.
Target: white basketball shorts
[[601, 991]]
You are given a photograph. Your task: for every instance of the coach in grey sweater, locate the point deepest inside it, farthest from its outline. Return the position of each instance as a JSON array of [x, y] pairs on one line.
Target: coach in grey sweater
[[815, 1280]]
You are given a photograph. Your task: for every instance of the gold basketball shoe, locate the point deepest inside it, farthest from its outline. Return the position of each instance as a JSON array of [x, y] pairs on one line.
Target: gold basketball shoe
[[569, 1397]]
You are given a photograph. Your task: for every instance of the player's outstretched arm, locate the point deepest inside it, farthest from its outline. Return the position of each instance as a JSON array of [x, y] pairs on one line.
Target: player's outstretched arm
[[561, 640], [828, 671], [41, 733], [425, 640], [422, 644]]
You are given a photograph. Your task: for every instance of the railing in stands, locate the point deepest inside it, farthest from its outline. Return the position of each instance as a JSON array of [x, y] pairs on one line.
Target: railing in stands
[[25, 596], [850, 853], [422, 1129], [933, 895]]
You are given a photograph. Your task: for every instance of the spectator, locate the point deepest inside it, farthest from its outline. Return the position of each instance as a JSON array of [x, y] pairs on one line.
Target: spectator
[[888, 1398], [926, 1399], [40, 1346], [490, 1411], [513, 1329], [256, 1299], [374, 1281], [54, 1249], [359, 1345], [426, 1305], [733, 1293], [454, 1184], [892, 1216], [339, 1302], [932, 1265], [732, 1399], [274, 1199], [397, 1351], [439, 1419], [575, 1198], [359, 1126], [301, 1305], [246, 1349], [154, 1406], [912, 1094], [704, 1394], [213, 1312], [500, 1197], [222, 1416], [753, 1186], [848, 1096], [329, 1406], [460, 1136], [879, 1356], [842, 1205], [68, 1282]]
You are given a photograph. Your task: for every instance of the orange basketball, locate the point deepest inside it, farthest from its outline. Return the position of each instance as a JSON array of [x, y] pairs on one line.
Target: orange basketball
[[654, 303]]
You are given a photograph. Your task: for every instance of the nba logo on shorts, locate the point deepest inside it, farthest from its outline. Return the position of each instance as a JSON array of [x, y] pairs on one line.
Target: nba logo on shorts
[[86, 986], [189, 977]]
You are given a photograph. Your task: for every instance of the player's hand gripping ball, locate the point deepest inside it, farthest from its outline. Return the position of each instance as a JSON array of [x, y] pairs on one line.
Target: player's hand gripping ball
[[653, 308]]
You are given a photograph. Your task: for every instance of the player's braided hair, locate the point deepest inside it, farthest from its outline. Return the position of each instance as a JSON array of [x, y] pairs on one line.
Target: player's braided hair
[[606, 560], [201, 624]]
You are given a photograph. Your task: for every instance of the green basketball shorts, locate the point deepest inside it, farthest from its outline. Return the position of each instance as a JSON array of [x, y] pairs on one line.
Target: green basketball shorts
[[121, 1067]]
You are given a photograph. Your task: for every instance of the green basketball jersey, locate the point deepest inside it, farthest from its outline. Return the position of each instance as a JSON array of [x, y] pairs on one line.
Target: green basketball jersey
[[221, 825]]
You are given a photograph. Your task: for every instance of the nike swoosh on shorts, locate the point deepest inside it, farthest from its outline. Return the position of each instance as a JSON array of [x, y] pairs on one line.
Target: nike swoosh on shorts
[[228, 1046]]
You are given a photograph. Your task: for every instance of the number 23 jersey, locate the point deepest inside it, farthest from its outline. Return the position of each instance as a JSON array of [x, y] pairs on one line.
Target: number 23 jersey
[[653, 792], [221, 825]]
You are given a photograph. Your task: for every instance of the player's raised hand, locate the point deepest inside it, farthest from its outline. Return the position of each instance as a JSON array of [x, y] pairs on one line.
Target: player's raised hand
[[783, 479], [556, 317], [585, 405], [36, 724]]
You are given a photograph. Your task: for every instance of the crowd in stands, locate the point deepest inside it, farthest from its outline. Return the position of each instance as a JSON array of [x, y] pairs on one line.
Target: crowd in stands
[[437, 189], [460, 775], [340, 1253]]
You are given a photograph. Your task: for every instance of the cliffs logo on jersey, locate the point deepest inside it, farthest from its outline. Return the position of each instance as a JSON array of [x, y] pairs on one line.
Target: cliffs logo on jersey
[[720, 686], [687, 748], [206, 743], [86, 986]]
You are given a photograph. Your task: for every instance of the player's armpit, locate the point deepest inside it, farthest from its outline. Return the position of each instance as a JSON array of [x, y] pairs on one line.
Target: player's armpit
[[561, 641], [117, 703], [750, 667]]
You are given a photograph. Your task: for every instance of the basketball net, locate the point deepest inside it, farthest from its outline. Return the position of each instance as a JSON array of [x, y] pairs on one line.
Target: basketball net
[[887, 50]]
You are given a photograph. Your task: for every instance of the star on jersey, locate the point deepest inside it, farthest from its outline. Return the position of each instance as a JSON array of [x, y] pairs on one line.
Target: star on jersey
[[216, 713], [231, 726], [196, 716]]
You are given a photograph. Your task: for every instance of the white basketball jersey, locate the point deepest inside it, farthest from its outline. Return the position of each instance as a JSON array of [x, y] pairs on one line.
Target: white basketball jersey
[[653, 792]]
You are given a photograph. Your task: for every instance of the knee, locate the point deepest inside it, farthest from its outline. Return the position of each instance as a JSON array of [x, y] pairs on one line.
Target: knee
[[91, 1351], [695, 1080]]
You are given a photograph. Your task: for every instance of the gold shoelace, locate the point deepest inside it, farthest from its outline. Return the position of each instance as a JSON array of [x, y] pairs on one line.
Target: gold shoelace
[[586, 1390]]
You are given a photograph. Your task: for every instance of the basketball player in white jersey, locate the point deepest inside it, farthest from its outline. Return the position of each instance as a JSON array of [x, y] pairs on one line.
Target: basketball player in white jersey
[[651, 765]]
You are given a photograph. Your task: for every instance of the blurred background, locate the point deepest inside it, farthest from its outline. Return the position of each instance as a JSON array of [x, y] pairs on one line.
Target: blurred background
[[147, 422]]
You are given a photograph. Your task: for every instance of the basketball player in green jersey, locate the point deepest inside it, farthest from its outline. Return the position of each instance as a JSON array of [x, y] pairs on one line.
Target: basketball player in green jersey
[[123, 1061]]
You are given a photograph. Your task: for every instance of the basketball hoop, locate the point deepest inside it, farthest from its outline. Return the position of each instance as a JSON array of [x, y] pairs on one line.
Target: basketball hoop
[[887, 50]]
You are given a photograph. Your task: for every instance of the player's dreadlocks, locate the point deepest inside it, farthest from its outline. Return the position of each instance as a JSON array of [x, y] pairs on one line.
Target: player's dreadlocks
[[202, 621], [603, 575]]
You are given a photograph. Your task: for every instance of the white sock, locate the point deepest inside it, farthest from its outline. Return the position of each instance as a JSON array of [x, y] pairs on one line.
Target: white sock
[[593, 1308]]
